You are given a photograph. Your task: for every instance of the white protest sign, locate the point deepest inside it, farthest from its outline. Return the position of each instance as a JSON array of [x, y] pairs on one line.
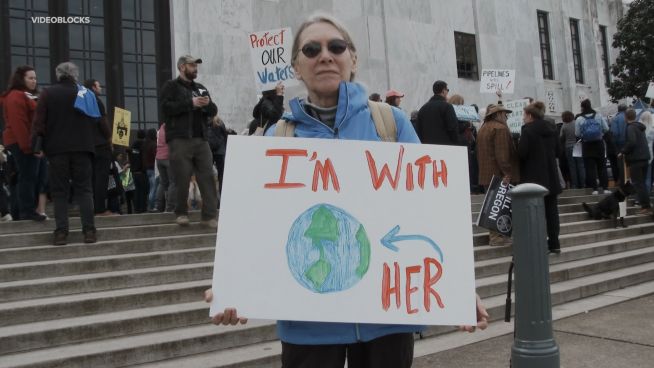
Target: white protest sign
[[466, 113], [494, 79], [514, 119], [345, 231], [270, 52], [650, 90]]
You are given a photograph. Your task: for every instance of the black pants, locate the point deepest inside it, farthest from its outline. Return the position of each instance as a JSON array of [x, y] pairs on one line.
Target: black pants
[[615, 169], [391, 351], [638, 172], [552, 219], [101, 165], [4, 200], [26, 188], [596, 166], [74, 168], [141, 195]]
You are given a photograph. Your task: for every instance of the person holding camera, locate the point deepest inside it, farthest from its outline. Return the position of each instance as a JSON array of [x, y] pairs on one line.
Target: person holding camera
[[187, 106]]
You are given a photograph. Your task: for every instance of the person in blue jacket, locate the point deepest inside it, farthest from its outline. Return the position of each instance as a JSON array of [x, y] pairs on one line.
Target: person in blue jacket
[[325, 60]]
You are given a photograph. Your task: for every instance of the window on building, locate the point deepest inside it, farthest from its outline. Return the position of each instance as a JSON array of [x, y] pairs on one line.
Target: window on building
[[86, 41], [605, 56], [545, 46], [140, 62], [466, 55], [576, 50], [125, 45], [29, 41]]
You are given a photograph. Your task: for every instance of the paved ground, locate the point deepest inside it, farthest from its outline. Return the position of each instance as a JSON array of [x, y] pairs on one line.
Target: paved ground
[[621, 335]]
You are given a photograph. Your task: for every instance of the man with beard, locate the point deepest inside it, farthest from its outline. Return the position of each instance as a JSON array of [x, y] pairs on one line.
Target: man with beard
[[187, 107]]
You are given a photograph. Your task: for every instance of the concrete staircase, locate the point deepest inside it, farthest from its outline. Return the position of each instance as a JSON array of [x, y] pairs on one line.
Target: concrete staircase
[[134, 298]]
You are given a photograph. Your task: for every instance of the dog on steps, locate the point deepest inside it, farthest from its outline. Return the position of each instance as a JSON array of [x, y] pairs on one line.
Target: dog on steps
[[608, 207]]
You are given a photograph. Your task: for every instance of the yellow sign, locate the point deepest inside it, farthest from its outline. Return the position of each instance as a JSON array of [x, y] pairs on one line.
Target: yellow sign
[[122, 122]]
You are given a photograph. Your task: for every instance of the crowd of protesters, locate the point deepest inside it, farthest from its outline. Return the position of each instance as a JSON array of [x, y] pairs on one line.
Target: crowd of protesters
[[57, 145], [180, 165]]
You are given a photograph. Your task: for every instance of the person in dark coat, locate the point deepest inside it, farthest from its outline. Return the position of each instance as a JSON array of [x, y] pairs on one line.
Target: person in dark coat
[[103, 154], [437, 122], [66, 136], [269, 109], [537, 151], [135, 154], [217, 137], [636, 154]]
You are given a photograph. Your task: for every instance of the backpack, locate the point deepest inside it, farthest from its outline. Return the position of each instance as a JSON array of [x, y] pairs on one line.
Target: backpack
[[382, 115], [591, 129]]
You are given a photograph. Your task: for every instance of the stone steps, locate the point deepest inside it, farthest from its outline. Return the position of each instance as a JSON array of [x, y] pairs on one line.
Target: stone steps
[[195, 313], [19, 227], [105, 234], [267, 354], [105, 248]]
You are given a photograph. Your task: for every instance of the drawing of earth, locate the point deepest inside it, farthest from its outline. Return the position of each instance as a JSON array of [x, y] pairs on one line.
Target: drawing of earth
[[328, 250]]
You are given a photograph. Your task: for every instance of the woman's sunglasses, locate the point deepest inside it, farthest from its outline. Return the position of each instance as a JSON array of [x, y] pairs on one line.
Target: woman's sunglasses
[[313, 48]]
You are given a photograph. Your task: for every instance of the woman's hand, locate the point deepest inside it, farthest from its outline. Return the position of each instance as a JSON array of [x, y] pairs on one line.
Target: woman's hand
[[279, 89], [482, 318], [228, 317]]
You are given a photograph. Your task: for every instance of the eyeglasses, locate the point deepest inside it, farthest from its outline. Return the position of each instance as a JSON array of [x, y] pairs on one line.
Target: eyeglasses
[[335, 46]]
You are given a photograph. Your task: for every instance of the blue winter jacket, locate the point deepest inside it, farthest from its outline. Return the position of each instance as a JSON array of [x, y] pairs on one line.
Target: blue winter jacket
[[619, 130], [353, 121]]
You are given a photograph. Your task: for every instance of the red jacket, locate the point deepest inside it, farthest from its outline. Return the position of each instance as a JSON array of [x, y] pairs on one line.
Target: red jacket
[[18, 111]]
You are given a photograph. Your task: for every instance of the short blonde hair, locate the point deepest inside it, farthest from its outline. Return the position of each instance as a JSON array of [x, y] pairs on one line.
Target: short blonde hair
[[322, 18], [456, 100]]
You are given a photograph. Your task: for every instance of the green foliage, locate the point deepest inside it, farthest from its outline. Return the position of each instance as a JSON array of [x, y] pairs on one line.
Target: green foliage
[[634, 66]]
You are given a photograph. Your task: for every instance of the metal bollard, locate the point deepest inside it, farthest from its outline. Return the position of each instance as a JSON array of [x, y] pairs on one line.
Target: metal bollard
[[533, 344]]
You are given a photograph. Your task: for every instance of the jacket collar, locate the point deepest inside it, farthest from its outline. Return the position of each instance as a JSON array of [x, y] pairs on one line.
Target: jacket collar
[[351, 100]]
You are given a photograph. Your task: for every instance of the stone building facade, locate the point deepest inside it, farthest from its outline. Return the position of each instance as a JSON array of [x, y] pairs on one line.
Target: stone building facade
[[408, 44]]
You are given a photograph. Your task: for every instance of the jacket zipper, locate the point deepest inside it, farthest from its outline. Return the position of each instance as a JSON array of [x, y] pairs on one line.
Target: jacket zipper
[[356, 329], [335, 129]]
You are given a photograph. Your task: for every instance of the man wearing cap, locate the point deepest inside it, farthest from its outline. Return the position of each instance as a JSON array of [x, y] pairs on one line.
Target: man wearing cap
[[187, 107], [497, 156], [437, 122], [394, 97]]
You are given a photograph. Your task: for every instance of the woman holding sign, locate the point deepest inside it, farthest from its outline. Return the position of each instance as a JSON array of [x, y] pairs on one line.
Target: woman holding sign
[[325, 60]]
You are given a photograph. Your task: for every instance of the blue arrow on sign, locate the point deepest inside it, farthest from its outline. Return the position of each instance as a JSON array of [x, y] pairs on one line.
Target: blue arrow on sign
[[392, 237]]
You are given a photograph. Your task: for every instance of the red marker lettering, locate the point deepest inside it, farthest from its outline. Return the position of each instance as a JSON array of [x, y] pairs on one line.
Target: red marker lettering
[[325, 172], [387, 290], [410, 290], [430, 281], [378, 178], [285, 153]]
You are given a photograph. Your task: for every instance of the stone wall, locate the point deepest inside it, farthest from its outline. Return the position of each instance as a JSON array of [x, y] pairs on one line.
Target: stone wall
[[405, 45]]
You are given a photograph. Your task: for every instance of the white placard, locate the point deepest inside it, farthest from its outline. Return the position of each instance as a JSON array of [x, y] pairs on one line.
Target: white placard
[[321, 230], [494, 79], [466, 113], [515, 118], [270, 52], [650, 90], [577, 150]]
